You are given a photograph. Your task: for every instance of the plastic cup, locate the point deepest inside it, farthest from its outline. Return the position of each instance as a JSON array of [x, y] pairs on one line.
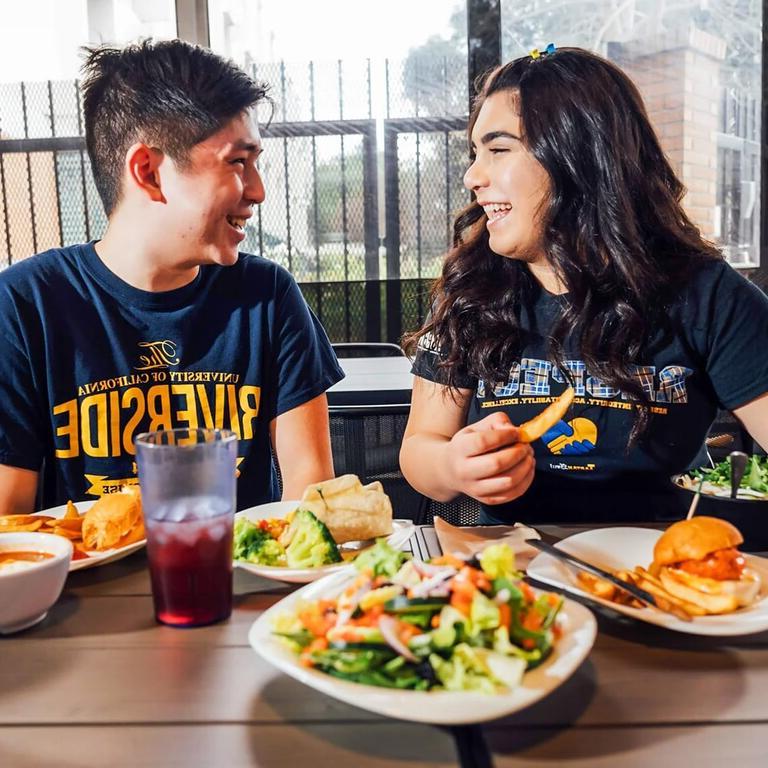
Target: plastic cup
[[187, 479]]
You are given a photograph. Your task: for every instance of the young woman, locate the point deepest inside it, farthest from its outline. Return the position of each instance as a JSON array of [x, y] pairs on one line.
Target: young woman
[[576, 264]]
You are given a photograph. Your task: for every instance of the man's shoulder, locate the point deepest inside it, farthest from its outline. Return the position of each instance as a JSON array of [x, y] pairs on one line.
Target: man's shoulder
[[252, 264], [269, 277], [44, 266]]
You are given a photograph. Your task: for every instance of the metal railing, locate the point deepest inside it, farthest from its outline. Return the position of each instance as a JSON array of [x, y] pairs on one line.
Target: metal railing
[[322, 218]]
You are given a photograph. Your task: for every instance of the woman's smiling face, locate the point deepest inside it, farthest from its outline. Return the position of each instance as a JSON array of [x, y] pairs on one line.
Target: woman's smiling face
[[509, 183]]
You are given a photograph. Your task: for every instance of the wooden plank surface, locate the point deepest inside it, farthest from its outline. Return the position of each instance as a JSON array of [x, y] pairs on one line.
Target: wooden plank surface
[[374, 745], [316, 745], [100, 683], [110, 649]]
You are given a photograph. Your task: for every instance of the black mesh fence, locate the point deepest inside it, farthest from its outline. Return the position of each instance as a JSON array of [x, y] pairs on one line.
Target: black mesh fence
[[352, 201], [373, 310]]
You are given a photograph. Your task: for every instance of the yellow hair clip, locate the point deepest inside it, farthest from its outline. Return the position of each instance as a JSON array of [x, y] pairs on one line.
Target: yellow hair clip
[[537, 54]]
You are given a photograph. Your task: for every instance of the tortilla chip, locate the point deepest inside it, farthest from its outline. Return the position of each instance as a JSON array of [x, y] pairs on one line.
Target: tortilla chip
[[352, 511], [71, 512], [65, 533]]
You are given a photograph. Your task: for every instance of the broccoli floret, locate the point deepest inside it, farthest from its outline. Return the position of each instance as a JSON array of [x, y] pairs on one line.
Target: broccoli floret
[[498, 561], [255, 545], [381, 559], [311, 543]]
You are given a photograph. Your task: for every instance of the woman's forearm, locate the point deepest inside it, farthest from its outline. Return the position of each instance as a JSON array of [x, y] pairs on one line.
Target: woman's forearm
[[424, 464]]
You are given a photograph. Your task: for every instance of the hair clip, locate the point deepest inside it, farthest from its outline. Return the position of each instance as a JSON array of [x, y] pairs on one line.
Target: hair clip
[[537, 54]]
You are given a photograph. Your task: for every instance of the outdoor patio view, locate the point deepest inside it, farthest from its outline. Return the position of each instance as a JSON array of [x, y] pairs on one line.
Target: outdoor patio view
[[364, 156]]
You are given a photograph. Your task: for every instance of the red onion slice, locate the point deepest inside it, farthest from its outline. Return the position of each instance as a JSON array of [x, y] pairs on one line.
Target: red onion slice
[[435, 586], [388, 627]]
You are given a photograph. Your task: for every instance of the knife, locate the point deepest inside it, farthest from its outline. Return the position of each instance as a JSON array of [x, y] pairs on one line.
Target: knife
[[631, 589], [640, 594]]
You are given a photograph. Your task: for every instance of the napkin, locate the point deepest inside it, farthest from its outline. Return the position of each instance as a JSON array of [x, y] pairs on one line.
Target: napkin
[[469, 540]]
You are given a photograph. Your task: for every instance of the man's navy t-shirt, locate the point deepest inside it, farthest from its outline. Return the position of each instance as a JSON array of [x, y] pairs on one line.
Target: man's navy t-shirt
[[89, 362]]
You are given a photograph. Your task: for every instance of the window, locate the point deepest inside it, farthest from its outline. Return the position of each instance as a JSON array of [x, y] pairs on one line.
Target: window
[[365, 153], [698, 66], [47, 196]]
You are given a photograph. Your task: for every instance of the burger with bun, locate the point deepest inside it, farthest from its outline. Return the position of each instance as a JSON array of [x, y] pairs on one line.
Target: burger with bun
[[697, 561]]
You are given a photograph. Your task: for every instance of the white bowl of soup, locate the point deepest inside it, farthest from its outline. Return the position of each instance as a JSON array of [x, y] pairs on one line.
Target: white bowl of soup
[[33, 569]]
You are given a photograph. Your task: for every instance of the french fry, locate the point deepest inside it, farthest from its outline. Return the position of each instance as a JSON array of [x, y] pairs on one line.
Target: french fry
[[624, 597], [607, 591], [595, 586], [534, 428], [14, 522], [21, 527], [664, 600]]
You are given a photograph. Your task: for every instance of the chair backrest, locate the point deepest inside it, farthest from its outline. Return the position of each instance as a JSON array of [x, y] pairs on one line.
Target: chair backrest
[[727, 434], [366, 442], [367, 349], [462, 510]]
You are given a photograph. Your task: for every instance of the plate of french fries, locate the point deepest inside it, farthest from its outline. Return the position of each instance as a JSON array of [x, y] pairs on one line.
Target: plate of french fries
[[628, 553], [67, 520]]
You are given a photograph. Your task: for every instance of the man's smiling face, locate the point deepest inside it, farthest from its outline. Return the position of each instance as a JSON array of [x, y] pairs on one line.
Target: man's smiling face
[[210, 197]]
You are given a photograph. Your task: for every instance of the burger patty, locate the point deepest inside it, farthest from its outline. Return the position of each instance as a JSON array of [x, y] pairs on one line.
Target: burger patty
[[722, 564]]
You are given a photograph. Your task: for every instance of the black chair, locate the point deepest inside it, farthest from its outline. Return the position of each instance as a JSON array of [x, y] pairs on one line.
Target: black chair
[[366, 442], [367, 349], [462, 510], [727, 434]]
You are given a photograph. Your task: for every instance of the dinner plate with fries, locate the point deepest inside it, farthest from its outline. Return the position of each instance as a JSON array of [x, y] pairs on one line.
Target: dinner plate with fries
[[67, 521], [628, 553]]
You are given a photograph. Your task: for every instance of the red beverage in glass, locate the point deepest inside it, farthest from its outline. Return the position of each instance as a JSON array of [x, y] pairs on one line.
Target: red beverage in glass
[[190, 564]]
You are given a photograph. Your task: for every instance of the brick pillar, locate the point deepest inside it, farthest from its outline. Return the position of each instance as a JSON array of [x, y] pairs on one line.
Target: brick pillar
[[678, 77]]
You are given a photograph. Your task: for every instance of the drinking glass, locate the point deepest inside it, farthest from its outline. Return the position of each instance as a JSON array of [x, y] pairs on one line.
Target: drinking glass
[[187, 479]]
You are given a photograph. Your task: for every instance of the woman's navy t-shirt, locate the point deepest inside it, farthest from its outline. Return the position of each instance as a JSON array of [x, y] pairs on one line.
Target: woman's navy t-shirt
[[717, 357]]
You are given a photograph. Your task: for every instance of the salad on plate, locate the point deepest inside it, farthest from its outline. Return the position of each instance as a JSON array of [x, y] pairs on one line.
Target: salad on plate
[[717, 479], [446, 624]]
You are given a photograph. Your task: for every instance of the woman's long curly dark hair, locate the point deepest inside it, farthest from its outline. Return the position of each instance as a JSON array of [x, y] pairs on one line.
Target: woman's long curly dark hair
[[613, 229]]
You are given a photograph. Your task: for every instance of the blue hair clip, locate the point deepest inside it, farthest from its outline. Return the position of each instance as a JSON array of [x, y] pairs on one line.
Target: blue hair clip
[[537, 54]]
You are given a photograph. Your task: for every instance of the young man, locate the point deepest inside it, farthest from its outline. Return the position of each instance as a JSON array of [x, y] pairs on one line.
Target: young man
[[162, 323]]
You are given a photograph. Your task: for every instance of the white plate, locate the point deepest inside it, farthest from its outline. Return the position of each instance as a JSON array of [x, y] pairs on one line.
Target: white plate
[[439, 707], [613, 548], [94, 557], [402, 531]]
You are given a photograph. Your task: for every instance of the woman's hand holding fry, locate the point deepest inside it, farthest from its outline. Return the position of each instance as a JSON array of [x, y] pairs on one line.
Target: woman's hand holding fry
[[488, 462]]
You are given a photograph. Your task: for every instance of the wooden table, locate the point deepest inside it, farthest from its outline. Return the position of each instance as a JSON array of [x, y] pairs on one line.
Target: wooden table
[[98, 683]]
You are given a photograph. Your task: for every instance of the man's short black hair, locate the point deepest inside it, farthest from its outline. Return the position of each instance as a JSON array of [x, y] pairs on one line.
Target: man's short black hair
[[170, 95]]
